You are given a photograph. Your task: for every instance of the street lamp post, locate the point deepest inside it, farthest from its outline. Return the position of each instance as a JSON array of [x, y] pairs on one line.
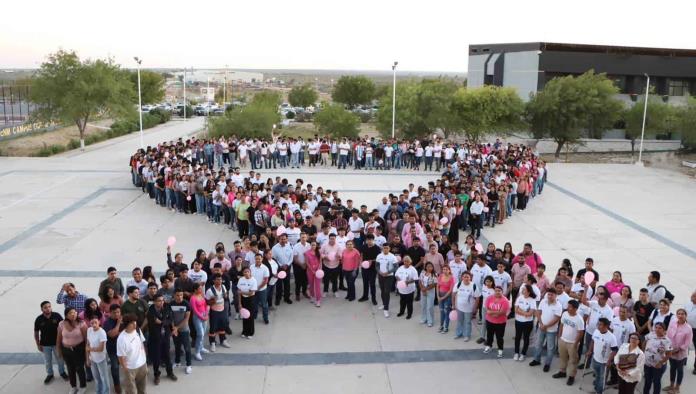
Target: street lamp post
[[140, 102], [645, 114], [394, 99], [184, 86], [224, 88]]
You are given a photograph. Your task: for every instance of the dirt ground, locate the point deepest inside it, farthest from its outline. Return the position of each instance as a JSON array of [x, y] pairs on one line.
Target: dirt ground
[[30, 145], [664, 160]]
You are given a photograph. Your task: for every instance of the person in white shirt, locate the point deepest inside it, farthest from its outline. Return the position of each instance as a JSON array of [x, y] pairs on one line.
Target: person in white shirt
[[138, 281], [548, 314], [96, 349], [598, 310], [476, 216], [480, 271], [262, 275], [622, 327], [458, 266], [246, 289], [562, 296], [386, 266], [525, 310], [465, 300], [299, 266], [572, 331], [198, 275], [407, 275], [603, 346], [131, 356], [502, 278]]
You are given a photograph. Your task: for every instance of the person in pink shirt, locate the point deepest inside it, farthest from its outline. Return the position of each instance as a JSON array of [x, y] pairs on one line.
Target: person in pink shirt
[[615, 284], [350, 260], [497, 308], [519, 271], [542, 281], [313, 261], [681, 335], [531, 257], [199, 306]]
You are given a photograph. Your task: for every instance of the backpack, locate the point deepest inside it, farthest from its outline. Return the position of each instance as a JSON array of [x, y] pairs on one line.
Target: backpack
[[668, 294]]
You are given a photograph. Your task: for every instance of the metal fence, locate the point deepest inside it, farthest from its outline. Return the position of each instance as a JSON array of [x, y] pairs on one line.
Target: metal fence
[[15, 107]]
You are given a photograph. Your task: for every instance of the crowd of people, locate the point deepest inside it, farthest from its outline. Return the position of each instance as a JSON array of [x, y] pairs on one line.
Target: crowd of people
[[301, 240]]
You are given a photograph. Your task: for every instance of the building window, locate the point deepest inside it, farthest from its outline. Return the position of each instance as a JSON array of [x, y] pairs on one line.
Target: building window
[[678, 88]]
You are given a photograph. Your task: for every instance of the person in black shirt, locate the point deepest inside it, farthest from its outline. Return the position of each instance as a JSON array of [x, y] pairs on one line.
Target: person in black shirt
[[177, 264], [369, 251], [492, 206], [112, 326], [159, 323], [417, 255], [45, 334]]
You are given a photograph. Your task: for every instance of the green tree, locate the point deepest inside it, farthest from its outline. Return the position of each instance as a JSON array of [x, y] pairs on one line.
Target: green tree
[[255, 120], [686, 121], [267, 98], [353, 90], [151, 86], [568, 105], [302, 96], [334, 120], [488, 109], [66, 89], [656, 120]]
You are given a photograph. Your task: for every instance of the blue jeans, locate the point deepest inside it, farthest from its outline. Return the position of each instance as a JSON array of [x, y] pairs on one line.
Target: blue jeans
[[445, 307], [464, 324], [100, 372], [48, 353], [216, 213], [550, 338], [599, 369], [115, 370], [342, 159], [294, 161], [368, 162], [428, 307], [482, 327], [262, 303], [653, 378], [200, 332], [200, 204]]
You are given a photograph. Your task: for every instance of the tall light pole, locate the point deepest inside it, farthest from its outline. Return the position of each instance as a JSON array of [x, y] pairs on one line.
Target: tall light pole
[[140, 102], [645, 114], [394, 99], [184, 86], [224, 87]]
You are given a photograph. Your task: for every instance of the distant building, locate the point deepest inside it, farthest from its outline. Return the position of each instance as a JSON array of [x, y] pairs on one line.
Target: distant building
[[218, 76], [527, 67]]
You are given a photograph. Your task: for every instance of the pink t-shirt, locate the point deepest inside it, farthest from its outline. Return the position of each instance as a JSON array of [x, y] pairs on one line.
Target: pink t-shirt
[[533, 260], [614, 287], [72, 336], [494, 303], [444, 285], [199, 307], [351, 259]]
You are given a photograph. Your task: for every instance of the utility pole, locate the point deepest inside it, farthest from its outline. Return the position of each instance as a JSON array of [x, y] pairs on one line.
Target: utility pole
[[140, 105], [645, 113], [394, 100]]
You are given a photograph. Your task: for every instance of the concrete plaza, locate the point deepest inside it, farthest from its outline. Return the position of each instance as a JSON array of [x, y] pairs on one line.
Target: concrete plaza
[[68, 217]]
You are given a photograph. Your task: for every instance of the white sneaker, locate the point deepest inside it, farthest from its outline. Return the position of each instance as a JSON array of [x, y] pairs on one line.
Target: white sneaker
[[198, 357], [521, 357], [487, 349], [188, 370], [204, 350], [73, 390], [336, 294], [236, 316], [213, 347], [500, 354], [516, 357], [380, 307], [225, 344], [386, 314], [177, 365]]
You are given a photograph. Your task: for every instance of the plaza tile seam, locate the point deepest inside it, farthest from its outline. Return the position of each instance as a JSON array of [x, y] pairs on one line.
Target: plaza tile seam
[[628, 222]]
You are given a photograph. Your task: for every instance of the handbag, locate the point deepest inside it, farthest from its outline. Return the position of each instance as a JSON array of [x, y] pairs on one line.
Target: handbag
[[628, 361]]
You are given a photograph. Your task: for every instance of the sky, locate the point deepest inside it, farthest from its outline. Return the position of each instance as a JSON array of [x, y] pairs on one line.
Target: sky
[[421, 35]]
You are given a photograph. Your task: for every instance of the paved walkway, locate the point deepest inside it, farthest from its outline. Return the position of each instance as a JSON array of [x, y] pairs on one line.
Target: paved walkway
[[69, 217]]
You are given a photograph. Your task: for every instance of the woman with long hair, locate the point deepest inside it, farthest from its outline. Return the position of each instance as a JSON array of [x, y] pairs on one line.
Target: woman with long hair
[[313, 260], [658, 349], [148, 275], [109, 297], [199, 308], [508, 254], [525, 308], [247, 287], [445, 285], [681, 335], [91, 310], [72, 333], [497, 308], [427, 284]]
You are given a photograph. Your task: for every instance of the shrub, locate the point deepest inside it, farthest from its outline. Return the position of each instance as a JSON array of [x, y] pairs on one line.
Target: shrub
[[73, 144], [50, 150]]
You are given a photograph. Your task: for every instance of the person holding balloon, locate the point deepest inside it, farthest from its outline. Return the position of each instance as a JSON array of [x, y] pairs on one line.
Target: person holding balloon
[[406, 277], [313, 263], [246, 288]]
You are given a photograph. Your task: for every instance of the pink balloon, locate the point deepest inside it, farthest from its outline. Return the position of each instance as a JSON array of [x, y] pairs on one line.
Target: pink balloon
[[401, 285], [479, 247], [616, 311], [589, 277], [282, 275], [244, 313], [319, 274], [616, 298], [188, 198], [280, 231], [453, 315], [485, 209], [444, 220], [171, 240], [365, 264]]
